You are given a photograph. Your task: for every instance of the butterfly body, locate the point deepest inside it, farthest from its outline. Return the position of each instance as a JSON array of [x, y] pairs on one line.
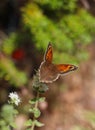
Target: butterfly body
[[49, 72]]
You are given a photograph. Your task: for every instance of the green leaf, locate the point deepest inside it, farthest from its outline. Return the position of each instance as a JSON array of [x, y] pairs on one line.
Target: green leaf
[[29, 122], [38, 124], [42, 99], [31, 110], [34, 100], [36, 112]]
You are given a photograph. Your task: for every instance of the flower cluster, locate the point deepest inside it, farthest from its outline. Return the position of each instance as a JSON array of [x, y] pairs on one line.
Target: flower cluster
[[14, 98]]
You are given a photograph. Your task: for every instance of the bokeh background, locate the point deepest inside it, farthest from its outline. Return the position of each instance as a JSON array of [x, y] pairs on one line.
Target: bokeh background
[[26, 28]]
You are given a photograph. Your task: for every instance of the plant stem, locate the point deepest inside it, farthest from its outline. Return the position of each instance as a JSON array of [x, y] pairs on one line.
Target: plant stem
[[36, 105]]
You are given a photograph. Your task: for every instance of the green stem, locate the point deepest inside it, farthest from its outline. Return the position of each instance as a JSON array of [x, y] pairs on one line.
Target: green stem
[[36, 105]]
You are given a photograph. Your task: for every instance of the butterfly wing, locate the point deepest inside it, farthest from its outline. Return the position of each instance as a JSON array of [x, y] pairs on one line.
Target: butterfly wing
[[48, 72], [65, 68], [49, 54]]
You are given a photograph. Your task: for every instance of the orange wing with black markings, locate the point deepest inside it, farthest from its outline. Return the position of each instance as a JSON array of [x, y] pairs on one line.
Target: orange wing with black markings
[[64, 68], [49, 53]]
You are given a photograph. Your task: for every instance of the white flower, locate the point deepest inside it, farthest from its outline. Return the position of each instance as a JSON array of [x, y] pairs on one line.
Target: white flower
[[14, 98]]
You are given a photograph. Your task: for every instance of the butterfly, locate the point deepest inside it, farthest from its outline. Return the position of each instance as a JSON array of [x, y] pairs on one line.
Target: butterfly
[[49, 72]]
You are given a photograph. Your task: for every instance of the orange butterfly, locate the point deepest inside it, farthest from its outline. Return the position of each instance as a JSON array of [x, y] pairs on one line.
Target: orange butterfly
[[49, 72]]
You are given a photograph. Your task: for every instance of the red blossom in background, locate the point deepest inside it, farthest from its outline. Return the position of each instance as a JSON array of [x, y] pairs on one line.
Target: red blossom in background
[[18, 54]]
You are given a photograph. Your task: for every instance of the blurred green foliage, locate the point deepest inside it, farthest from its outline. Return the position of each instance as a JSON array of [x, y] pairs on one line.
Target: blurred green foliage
[[69, 32], [90, 116], [11, 73], [69, 27], [69, 5], [7, 117], [9, 44], [80, 128], [89, 121]]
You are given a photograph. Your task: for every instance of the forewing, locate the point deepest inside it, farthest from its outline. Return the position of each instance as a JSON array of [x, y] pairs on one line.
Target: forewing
[[49, 54]]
